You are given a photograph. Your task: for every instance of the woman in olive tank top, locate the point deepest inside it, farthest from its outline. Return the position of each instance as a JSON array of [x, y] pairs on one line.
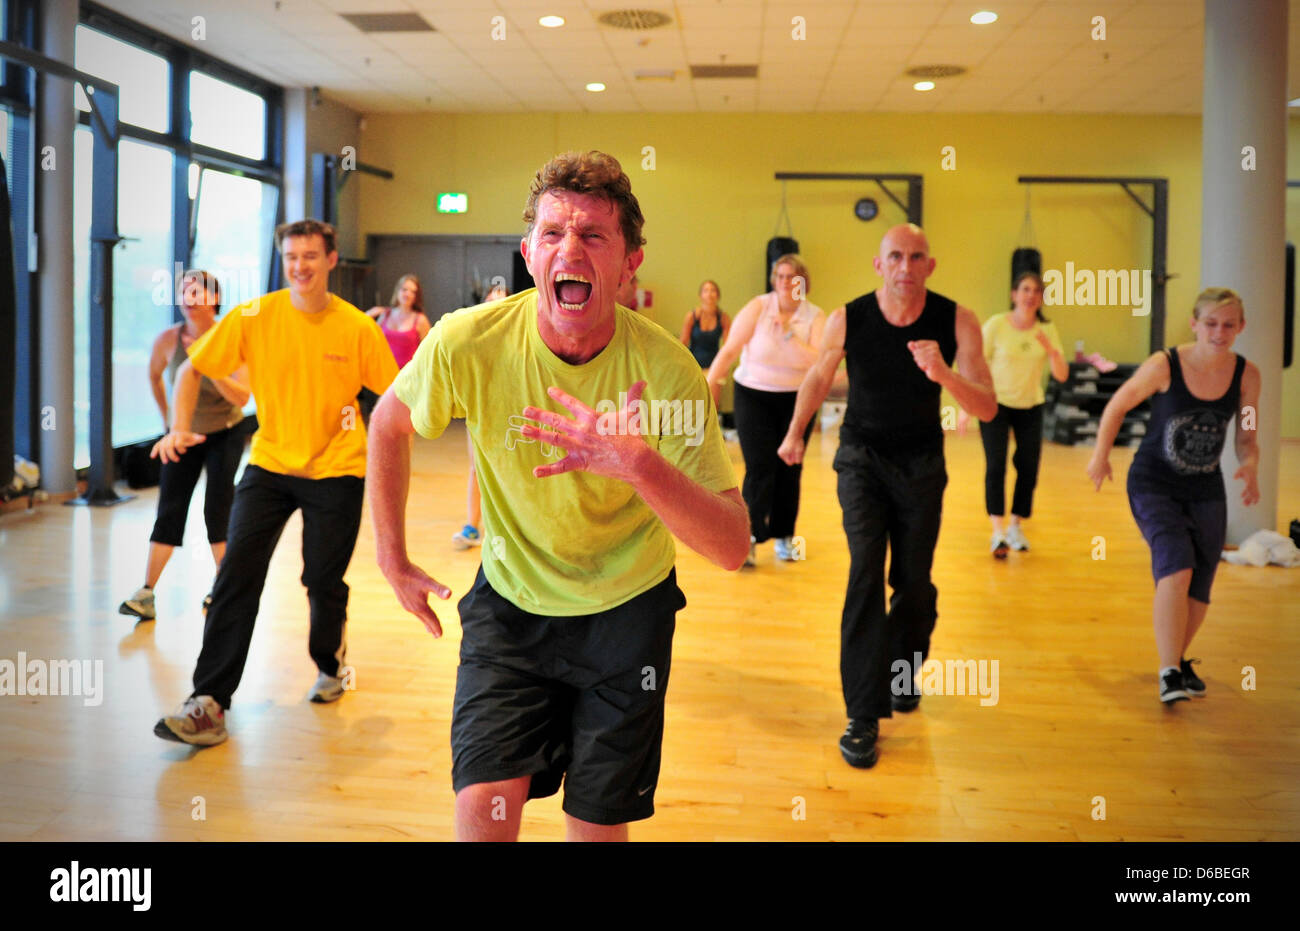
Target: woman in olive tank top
[[218, 412], [1175, 486]]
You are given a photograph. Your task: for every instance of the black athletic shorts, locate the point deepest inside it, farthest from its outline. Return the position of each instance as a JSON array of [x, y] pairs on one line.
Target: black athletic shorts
[[578, 699]]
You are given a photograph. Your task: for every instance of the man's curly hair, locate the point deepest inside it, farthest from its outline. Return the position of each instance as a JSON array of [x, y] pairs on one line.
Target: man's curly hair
[[593, 173]]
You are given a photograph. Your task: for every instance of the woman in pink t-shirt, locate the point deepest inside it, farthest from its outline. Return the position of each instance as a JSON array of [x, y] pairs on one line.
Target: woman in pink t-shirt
[[776, 335], [403, 322]]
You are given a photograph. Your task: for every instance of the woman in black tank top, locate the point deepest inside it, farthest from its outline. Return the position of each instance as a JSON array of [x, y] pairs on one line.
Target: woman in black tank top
[[1175, 486], [705, 328]]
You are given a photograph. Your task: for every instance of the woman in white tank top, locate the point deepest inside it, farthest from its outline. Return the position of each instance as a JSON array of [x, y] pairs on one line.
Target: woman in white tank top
[[776, 335]]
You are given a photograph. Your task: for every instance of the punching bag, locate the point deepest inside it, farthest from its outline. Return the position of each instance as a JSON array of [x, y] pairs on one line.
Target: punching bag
[[1026, 260], [1288, 308], [777, 246]]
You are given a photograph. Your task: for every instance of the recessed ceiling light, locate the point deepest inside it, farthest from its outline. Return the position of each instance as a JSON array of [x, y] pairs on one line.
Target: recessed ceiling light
[[923, 86], [551, 22], [984, 17], [595, 87]]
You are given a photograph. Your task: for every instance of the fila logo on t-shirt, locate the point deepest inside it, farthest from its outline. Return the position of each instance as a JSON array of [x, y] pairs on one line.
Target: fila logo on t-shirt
[[335, 357], [515, 436]]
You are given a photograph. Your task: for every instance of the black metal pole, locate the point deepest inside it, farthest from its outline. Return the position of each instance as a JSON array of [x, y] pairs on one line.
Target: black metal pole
[[1159, 259], [914, 200], [183, 209]]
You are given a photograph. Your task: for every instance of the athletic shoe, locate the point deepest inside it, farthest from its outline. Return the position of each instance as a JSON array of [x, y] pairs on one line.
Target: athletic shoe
[[1171, 687], [1016, 538], [327, 689], [784, 549], [905, 703], [998, 547], [858, 745], [1192, 683], [139, 605], [467, 536], [752, 559], [207, 602], [730, 435], [199, 721]]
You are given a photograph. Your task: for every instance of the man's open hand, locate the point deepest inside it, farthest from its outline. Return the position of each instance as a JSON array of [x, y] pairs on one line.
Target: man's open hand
[[608, 444]]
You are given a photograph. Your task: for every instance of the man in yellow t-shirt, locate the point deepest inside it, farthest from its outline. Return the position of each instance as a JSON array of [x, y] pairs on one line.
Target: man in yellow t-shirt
[[308, 354], [595, 441]]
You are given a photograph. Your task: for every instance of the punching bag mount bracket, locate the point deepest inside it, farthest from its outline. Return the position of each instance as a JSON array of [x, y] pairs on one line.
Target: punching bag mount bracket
[[1158, 211]]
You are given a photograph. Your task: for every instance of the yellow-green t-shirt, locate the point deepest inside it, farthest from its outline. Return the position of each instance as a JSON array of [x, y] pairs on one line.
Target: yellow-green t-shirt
[[305, 371], [573, 543], [1017, 360]]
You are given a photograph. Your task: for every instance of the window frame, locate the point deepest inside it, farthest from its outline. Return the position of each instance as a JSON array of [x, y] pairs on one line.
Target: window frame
[[18, 94], [183, 59]]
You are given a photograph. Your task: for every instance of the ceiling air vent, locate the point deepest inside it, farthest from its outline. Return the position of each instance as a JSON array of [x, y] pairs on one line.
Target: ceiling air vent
[[388, 22], [724, 71], [935, 71], [634, 19]]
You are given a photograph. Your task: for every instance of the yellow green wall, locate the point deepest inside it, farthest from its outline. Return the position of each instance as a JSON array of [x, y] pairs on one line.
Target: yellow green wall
[[711, 202]]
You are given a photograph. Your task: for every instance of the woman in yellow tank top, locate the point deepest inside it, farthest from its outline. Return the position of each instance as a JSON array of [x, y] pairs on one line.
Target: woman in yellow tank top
[[1018, 346]]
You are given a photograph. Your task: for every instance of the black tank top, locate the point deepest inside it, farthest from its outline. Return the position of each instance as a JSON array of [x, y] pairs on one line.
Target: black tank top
[[1179, 455], [893, 407], [704, 343]]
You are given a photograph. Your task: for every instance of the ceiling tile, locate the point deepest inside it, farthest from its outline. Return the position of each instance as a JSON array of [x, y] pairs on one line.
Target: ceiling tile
[[853, 56]]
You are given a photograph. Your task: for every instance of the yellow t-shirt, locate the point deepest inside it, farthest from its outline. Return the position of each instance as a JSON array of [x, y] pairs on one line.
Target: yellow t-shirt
[[573, 543], [305, 371], [1018, 360]]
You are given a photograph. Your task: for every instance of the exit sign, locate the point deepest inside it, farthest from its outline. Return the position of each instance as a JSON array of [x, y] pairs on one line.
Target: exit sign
[[453, 202]]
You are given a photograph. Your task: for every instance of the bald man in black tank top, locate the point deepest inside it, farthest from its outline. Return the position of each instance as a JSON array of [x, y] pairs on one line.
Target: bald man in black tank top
[[900, 341]]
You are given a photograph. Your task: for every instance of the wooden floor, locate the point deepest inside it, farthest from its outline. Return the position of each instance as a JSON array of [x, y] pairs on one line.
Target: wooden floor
[[754, 706]]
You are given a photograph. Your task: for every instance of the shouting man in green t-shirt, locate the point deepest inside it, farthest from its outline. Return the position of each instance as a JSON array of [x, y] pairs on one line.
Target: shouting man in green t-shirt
[[596, 441]]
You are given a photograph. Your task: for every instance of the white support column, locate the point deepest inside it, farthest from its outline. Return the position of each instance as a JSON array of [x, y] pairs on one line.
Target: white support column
[[1243, 212], [56, 119]]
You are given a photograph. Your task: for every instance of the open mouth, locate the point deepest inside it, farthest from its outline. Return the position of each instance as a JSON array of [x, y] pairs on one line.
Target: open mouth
[[571, 291]]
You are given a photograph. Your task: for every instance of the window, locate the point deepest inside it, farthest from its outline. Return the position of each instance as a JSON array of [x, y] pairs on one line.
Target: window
[[143, 287], [229, 214], [143, 78], [227, 117], [233, 232], [144, 284]]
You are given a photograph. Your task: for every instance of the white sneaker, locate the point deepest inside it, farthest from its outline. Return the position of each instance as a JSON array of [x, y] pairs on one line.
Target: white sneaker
[[139, 605], [466, 537], [751, 560], [327, 689], [784, 549], [998, 546], [1016, 538], [199, 721]]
